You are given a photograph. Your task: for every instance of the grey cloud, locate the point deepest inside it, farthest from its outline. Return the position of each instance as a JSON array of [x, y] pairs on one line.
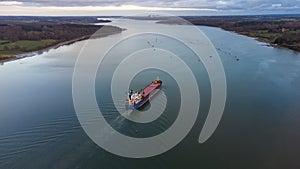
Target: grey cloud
[[225, 5]]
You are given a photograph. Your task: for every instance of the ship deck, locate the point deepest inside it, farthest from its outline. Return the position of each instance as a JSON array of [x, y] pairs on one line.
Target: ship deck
[[147, 90]]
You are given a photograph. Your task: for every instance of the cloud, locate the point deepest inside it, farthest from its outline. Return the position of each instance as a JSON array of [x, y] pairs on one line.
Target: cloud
[[221, 3], [223, 6], [9, 3], [276, 5]]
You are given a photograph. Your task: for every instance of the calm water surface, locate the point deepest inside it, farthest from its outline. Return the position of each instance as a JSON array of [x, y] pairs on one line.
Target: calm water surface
[[259, 128]]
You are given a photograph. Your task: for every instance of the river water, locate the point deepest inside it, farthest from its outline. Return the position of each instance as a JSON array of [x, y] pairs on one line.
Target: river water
[[259, 128]]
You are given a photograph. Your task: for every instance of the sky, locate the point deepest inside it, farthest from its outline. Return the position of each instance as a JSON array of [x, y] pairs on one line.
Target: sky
[[128, 7]]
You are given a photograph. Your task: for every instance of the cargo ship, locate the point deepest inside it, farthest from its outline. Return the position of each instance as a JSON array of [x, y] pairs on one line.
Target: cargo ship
[[136, 100]]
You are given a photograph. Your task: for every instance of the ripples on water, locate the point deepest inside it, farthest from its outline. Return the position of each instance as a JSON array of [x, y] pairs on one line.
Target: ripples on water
[[18, 143], [259, 128]]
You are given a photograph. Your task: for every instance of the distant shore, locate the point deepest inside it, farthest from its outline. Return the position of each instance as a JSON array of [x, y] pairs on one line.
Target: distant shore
[[27, 36], [278, 31], [53, 46], [40, 51]]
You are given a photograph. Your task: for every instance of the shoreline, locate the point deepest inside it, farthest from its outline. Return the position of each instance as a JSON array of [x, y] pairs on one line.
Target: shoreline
[[278, 32], [260, 39], [266, 41], [54, 46], [42, 50]]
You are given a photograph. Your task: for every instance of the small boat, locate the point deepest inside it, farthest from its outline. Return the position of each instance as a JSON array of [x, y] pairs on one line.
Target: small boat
[[136, 100]]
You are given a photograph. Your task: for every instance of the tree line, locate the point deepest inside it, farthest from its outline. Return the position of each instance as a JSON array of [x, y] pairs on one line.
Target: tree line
[[40, 31]]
